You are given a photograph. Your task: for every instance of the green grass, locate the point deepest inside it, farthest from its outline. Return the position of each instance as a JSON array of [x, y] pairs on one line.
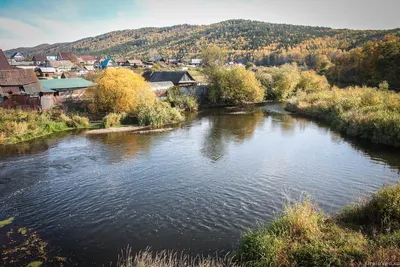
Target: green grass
[[21, 125], [368, 113], [6, 222], [303, 236]]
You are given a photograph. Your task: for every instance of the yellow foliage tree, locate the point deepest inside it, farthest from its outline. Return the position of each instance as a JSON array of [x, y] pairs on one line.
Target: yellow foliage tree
[[310, 81], [121, 90], [235, 86]]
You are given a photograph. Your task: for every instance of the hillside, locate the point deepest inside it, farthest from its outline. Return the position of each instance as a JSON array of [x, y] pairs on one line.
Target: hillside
[[240, 38]]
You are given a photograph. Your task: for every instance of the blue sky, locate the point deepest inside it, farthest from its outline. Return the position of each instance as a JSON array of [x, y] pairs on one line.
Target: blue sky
[[33, 22]]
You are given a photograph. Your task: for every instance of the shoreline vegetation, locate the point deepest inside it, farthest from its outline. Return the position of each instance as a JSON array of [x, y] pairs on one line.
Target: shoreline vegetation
[[362, 233], [368, 113], [23, 125]]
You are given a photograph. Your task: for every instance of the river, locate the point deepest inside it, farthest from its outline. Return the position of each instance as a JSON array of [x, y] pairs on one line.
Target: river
[[195, 188]]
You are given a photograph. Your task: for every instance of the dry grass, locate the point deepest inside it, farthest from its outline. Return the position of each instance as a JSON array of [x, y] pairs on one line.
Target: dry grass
[[368, 113], [20, 125], [166, 258]]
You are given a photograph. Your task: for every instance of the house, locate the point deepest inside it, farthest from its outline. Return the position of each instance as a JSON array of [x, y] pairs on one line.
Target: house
[[39, 59], [67, 56], [195, 62], [51, 58], [161, 88], [61, 65], [68, 90], [107, 63], [87, 60], [4, 65], [136, 63], [46, 72], [178, 78], [17, 56]]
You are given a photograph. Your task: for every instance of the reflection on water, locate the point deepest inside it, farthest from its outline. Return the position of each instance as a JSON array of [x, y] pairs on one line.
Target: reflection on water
[[229, 128], [195, 188], [118, 147]]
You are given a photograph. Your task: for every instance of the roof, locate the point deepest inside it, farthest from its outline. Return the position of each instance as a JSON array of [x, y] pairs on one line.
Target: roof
[[161, 86], [66, 55], [17, 54], [89, 67], [39, 58], [67, 83], [47, 69], [196, 61], [17, 77], [87, 58], [105, 62], [176, 77], [61, 63], [135, 61], [4, 62]]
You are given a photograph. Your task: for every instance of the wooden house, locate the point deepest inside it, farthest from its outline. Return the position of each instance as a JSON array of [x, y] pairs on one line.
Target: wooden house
[[61, 65], [39, 60], [67, 56], [178, 78], [87, 60], [161, 88], [68, 90], [19, 88]]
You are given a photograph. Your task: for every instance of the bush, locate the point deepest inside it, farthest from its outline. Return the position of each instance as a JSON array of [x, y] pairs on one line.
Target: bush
[[365, 112], [112, 120], [234, 86], [380, 212], [159, 114], [303, 236], [78, 122], [21, 125], [181, 101], [119, 91]]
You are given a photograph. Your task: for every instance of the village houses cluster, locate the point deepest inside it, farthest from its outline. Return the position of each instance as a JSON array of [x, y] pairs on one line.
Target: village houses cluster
[[41, 82]]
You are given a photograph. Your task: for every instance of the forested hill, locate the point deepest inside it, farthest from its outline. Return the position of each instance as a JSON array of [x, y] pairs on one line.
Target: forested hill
[[242, 39]]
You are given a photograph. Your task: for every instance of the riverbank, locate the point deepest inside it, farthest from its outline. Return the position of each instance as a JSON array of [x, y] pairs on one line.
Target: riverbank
[[23, 125], [361, 234], [368, 113]]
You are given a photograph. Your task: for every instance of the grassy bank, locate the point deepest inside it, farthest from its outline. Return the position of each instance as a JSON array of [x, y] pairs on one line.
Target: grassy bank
[[368, 113], [361, 234], [22, 125]]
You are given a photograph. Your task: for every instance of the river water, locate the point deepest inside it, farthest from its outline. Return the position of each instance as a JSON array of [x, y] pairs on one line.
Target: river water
[[195, 188]]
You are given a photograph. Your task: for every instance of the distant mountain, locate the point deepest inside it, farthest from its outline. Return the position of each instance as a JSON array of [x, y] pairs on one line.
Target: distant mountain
[[241, 39]]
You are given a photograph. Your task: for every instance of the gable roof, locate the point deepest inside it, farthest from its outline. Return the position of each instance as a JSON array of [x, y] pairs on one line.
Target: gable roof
[[61, 63], [67, 83], [66, 56], [17, 77], [12, 79], [17, 54], [135, 61], [4, 65], [87, 58], [39, 58], [177, 77]]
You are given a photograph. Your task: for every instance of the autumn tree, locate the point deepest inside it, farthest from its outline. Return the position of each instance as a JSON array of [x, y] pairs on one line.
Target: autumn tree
[[310, 81], [121, 90], [213, 56], [235, 86]]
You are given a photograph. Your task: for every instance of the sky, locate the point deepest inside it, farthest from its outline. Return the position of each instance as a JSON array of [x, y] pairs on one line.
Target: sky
[[25, 23]]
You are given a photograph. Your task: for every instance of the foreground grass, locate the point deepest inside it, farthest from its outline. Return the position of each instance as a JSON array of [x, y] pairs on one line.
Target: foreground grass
[[22, 125], [363, 234], [368, 113]]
